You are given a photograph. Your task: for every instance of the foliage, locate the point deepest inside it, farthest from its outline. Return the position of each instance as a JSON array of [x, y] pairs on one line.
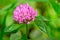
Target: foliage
[[46, 25]]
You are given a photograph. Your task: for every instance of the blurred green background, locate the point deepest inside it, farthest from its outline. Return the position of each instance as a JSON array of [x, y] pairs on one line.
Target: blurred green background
[[49, 12]]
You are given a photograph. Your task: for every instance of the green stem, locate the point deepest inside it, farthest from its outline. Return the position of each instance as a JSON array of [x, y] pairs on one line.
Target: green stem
[[26, 32]]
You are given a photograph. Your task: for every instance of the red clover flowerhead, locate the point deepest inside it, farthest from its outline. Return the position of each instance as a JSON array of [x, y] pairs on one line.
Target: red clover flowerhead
[[24, 13]]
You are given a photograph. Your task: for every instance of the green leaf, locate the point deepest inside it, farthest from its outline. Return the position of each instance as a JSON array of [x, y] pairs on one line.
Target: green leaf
[[38, 0], [42, 18], [15, 36], [56, 6], [41, 24], [12, 28]]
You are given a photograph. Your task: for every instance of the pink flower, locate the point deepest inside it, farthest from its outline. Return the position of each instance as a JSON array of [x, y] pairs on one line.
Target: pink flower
[[24, 13]]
